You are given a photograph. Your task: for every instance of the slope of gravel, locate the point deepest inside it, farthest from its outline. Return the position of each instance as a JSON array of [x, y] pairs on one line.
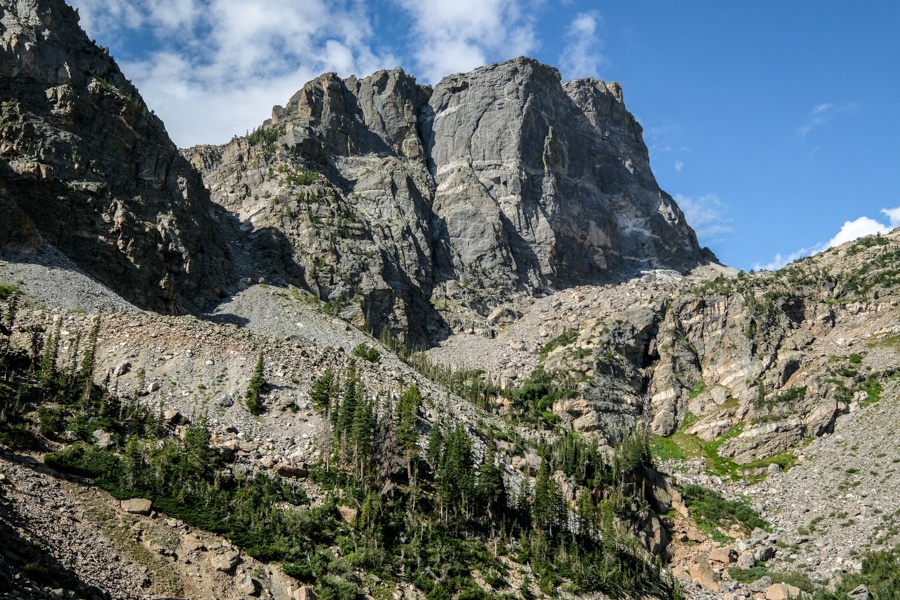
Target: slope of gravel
[[49, 546], [841, 500], [57, 282]]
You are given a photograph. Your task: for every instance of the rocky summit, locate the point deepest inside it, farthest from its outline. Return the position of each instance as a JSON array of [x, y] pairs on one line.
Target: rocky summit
[[414, 343], [420, 210]]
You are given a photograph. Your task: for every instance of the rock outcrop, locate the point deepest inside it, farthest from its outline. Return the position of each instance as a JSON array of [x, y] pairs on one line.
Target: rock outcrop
[[86, 166], [414, 208]]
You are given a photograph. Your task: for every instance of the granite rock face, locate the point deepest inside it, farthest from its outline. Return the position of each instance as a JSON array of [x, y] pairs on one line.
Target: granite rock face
[[422, 210], [88, 168]]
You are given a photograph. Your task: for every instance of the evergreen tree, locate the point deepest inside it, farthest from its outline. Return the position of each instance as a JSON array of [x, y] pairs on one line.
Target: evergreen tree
[[456, 481], [86, 371], [322, 392], [257, 387], [407, 432], [72, 370], [362, 432], [436, 447], [548, 508], [491, 488], [349, 400], [51, 353]]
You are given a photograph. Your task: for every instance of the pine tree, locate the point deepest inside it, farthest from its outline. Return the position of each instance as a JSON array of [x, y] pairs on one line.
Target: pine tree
[[322, 392], [86, 371], [548, 508], [436, 447], [456, 481], [51, 353], [407, 432], [256, 387], [491, 488], [72, 370], [362, 431], [349, 400]]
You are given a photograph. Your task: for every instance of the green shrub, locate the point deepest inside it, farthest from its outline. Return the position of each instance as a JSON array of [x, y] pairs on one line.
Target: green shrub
[[367, 352], [567, 337], [712, 510]]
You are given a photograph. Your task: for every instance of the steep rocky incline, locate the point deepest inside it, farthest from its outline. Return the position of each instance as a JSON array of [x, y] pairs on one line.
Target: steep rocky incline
[[769, 358], [422, 209], [88, 168]]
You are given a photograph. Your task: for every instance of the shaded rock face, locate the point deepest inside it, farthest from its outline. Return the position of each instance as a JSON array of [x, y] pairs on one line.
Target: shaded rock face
[[87, 167], [411, 208]]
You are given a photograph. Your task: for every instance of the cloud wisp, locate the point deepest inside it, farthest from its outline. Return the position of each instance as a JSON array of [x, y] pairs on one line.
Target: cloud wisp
[[459, 35], [824, 113], [582, 55], [706, 215], [850, 230], [218, 66]]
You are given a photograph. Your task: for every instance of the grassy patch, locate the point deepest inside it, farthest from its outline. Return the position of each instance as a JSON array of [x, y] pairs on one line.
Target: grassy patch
[[713, 513], [566, 338], [698, 389], [794, 578]]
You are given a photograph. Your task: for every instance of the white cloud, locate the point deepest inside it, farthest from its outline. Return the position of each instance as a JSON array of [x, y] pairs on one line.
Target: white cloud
[[222, 64], [678, 166], [705, 214], [893, 214], [850, 230], [824, 113], [779, 260], [582, 56], [459, 35]]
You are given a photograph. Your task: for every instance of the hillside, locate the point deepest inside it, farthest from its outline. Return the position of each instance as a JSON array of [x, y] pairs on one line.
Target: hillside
[[414, 342]]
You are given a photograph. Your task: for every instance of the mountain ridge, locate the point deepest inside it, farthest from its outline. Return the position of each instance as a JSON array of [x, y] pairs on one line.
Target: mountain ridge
[[471, 193]]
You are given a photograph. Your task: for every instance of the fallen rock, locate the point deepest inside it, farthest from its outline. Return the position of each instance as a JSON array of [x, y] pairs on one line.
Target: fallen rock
[[746, 560], [249, 586], [300, 471], [225, 562], [761, 584], [137, 506], [860, 592], [782, 591], [102, 439], [174, 417], [192, 544], [304, 593], [764, 553], [703, 574], [348, 514], [725, 556]]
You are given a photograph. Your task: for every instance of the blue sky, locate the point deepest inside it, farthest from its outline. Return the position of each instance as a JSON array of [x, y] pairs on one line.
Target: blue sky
[[775, 125]]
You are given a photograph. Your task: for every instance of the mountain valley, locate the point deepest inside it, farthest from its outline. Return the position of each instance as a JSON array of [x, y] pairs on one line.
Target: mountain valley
[[404, 341]]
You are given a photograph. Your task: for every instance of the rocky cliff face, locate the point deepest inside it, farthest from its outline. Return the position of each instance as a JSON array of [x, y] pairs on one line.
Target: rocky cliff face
[[87, 167], [396, 200]]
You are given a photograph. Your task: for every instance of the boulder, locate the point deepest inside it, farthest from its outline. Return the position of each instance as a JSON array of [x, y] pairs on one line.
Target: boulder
[[300, 471], [248, 585], [764, 553], [782, 591], [746, 559], [860, 592], [137, 506], [174, 417], [122, 368], [761, 584], [225, 562], [102, 439], [348, 513], [726, 556], [703, 574], [304, 593]]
